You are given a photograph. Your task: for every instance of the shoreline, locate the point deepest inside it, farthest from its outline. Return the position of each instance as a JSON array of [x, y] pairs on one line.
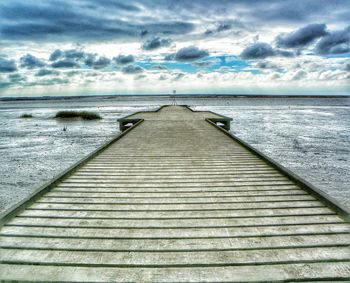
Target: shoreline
[[147, 96]]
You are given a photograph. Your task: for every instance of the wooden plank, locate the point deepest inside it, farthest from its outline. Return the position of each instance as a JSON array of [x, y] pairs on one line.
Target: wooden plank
[[165, 162], [175, 194], [159, 159], [209, 179], [176, 244], [176, 232], [174, 188], [146, 180], [199, 214], [278, 272], [235, 199], [111, 152], [204, 175], [115, 159], [175, 259], [179, 166], [149, 223], [170, 206], [203, 184], [142, 155], [146, 170], [211, 174]]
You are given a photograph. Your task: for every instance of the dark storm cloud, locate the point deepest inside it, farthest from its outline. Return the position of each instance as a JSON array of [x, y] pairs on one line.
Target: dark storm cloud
[[93, 61], [36, 20], [302, 36], [124, 59], [84, 20], [7, 65], [45, 72], [261, 50], [74, 57], [294, 11], [55, 55], [101, 62], [132, 69], [71, 54], [89, 59], [12, 79], [190, 53], [252, 11], [155, 43], [16, 78], [285, 53], [282, 11], [91, 30], [71, 58], [4, 84], [255, 13], [30, 62], [336, 42], [92, 20], [65, 63]]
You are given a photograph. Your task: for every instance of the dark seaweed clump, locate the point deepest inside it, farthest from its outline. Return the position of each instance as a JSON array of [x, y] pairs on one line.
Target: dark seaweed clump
[[26, 115], [85, 115]]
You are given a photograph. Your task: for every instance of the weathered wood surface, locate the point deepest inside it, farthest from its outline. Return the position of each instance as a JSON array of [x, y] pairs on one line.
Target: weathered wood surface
[[176, 200]]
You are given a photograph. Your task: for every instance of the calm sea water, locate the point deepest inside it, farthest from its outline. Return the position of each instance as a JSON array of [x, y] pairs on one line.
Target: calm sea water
[[309, 136]]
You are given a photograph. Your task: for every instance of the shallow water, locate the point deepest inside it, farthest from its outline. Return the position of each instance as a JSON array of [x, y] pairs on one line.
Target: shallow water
[[309, 136]]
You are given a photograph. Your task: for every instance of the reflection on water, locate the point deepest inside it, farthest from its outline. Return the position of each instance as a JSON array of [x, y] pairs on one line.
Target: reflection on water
[[309, 136]]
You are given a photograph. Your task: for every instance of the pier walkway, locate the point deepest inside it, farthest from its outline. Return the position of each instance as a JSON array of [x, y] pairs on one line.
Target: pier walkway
[[176, 198]]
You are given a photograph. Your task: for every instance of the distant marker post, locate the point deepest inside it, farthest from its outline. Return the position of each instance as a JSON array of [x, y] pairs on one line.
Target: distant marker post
[[174, 97]]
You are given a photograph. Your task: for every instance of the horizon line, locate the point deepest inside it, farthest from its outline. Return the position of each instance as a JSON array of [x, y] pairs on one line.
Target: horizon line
[[188, 95]]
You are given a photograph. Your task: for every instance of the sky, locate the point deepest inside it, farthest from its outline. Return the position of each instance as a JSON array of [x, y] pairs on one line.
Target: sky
[[83, 47]]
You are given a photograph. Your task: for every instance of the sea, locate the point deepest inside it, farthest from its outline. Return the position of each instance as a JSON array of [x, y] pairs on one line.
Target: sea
[[309, 136]]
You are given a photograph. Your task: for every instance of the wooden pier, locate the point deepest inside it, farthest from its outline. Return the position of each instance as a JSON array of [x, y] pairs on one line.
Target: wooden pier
[[176, 198]]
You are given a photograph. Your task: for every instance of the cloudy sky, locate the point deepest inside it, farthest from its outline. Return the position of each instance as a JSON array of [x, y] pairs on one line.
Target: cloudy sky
[[68, 47]]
